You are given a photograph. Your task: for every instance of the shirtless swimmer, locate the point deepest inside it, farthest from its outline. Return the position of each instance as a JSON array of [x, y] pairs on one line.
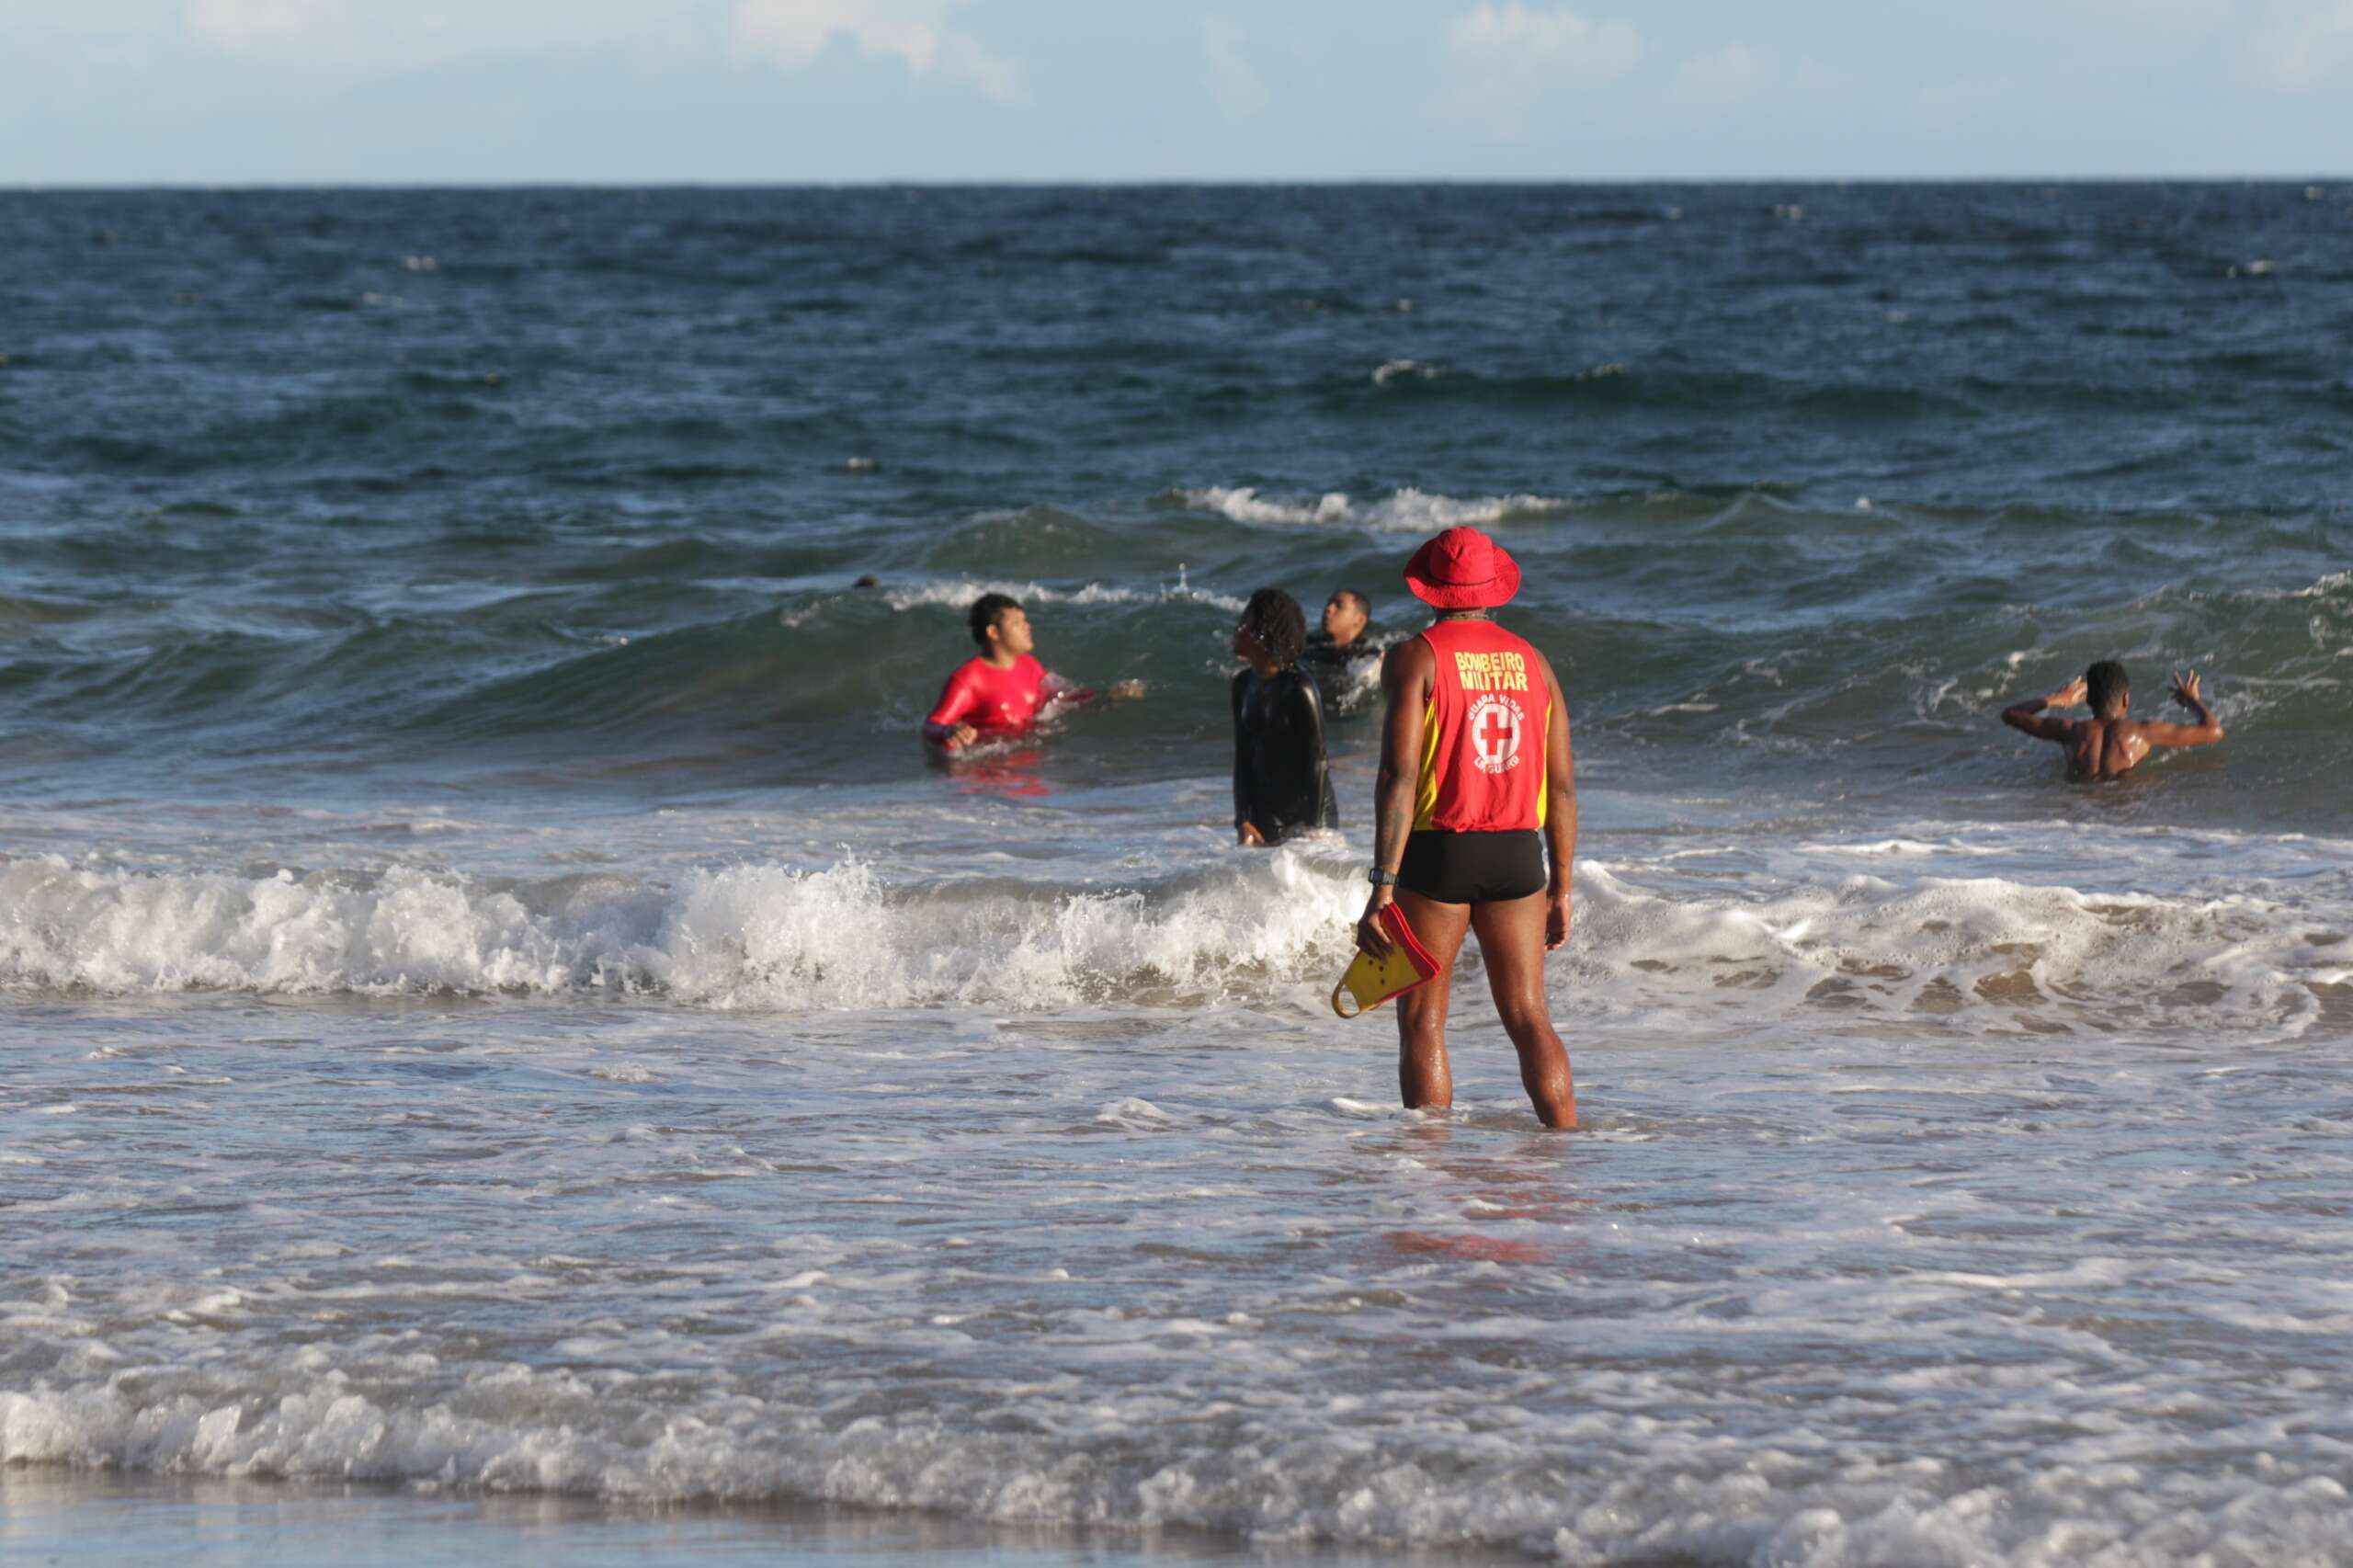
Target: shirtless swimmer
[[2107, 745]]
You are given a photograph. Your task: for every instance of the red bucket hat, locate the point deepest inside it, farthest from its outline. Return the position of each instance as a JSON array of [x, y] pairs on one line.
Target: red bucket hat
[[1462, 569]]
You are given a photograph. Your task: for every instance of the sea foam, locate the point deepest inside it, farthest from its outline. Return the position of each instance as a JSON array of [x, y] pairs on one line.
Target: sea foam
[[1641, 1477], [1404, 511], [961, 592], [749, 935], [1899, 942]]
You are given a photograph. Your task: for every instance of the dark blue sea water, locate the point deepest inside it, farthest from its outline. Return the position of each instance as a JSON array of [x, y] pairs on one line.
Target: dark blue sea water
[[497, 998], [377, 480]]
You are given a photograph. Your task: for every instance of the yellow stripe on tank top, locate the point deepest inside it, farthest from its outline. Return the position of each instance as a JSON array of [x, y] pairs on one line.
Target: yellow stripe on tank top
[[1543, 762], [1426, 793]]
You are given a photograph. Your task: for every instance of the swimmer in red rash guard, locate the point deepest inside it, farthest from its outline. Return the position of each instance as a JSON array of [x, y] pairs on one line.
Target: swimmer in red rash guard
[[1001, 692]]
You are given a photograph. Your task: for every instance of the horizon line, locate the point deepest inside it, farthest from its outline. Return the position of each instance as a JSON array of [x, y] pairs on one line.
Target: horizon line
[[1150, 183]]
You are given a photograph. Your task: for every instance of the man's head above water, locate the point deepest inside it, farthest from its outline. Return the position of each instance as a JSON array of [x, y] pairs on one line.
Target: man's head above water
[[1346, 615], [1001, 626], [2107, 690]]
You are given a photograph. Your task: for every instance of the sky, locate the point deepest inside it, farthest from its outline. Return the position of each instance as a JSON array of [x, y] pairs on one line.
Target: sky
[[235, 92]]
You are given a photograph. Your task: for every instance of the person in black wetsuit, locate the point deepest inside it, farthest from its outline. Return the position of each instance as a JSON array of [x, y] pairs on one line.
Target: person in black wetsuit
[[1281, 784]]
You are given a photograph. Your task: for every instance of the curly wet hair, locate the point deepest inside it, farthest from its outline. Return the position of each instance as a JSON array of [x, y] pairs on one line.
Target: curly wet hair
[[1275, 618]]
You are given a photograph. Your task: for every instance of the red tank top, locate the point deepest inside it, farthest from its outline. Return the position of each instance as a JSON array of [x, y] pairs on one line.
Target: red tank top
[[1484, 733]]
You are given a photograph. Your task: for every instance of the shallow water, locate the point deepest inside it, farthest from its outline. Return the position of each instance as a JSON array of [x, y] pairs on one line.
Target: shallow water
[[500, 1016], [58, 1515], [1860, 1298]]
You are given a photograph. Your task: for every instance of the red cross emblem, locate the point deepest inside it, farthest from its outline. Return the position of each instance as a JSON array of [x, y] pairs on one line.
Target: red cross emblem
[[1495, 732]]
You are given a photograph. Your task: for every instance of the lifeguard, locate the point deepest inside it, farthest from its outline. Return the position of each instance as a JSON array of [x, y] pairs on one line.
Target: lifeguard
[[1476, 819]]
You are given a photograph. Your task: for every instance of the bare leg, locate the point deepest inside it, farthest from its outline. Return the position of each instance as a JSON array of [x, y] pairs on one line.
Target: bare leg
[[1511, 940], [1422, 1076]]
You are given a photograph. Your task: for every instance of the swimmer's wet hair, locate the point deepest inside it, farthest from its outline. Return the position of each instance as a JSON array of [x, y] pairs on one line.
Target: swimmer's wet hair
[[986, 609], [2105, 684], [1275, 618], [1363, 605]]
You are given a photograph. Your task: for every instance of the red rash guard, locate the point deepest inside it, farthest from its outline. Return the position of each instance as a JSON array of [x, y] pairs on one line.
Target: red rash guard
[[993, 702]]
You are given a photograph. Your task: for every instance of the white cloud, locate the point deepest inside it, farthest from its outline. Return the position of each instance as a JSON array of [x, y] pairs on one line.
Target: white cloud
[[269, 26], [1234, 80], [1722, 78], [1513, 40], [790, 34], [998, 78], [2312, 46]]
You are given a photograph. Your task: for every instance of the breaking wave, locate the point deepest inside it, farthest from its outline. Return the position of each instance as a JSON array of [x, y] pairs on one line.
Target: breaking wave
[[961, 592], [1976, 952], [1404, 511]]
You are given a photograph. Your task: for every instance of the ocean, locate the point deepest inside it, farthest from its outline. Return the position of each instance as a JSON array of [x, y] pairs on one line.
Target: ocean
[[509, 1046]]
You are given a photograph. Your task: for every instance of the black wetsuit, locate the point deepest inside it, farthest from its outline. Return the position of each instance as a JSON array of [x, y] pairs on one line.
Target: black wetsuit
[[1322, 654], [1281, 783], [1335, 665]]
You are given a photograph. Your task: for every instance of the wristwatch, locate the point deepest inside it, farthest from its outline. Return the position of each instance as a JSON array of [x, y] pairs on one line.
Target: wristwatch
[[1380, 878]]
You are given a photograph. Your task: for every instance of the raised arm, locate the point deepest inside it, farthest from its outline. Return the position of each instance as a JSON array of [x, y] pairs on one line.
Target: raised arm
[[1559, 811], [2029, 715], [2205, 732], [1405, 676]]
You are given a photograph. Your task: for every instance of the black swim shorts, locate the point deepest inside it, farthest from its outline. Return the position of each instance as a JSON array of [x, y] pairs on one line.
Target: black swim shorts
[[1473, 868]]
